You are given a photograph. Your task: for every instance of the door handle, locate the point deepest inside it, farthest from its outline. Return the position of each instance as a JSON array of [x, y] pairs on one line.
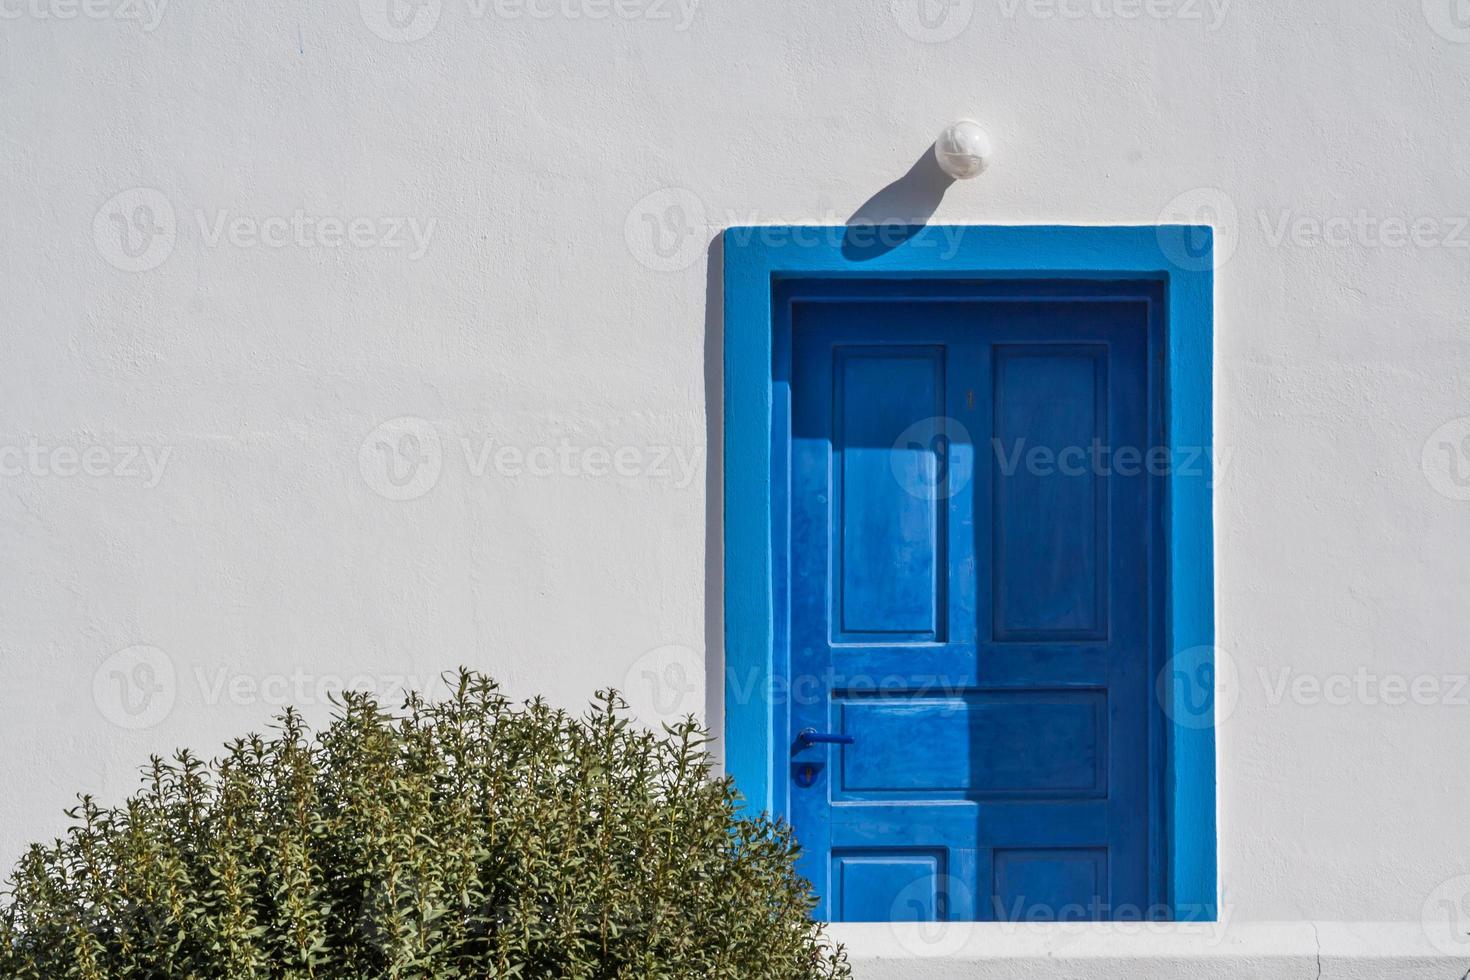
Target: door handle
[[808, 737]]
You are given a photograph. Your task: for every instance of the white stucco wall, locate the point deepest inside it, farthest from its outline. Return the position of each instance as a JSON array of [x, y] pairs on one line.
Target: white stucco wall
[[189, 427]]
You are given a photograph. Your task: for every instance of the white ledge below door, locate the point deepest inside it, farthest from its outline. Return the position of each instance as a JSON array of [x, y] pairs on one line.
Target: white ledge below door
[[1135, 951]]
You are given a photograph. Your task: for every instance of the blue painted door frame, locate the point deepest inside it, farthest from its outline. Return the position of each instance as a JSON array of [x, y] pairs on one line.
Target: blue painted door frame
[[757, 426]]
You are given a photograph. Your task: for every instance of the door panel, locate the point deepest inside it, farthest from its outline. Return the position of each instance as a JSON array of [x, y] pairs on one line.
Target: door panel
[[891, 547], [997, 744], [970, 569], [1049, 532]]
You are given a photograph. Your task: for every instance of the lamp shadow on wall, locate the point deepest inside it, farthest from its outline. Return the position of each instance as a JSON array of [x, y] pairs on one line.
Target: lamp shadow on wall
[[896, 213]]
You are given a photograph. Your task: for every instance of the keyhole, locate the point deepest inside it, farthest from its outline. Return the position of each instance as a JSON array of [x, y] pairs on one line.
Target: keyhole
[[970, 398]]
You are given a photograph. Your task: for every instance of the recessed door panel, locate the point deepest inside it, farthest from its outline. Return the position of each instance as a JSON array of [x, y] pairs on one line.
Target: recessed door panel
[[990, 745], [889, 538], [1050, 515]]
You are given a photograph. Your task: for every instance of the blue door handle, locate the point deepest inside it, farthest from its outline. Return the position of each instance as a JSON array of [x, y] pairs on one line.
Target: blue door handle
[[808, 737]]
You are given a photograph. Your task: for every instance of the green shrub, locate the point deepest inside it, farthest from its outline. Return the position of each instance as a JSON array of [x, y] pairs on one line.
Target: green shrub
[[465, 838]]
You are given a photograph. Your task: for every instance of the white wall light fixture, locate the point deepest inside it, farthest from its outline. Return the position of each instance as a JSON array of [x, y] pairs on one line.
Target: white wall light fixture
[[963, 149]]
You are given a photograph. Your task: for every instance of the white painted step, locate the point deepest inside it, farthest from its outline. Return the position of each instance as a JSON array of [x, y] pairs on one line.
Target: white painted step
[[1137, 951]]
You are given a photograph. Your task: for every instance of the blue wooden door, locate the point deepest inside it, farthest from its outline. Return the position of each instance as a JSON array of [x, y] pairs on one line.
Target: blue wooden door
[[971, 538]]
